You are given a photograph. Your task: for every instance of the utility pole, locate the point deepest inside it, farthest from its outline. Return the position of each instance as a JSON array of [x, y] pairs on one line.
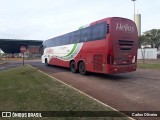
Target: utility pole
[[134, 9]]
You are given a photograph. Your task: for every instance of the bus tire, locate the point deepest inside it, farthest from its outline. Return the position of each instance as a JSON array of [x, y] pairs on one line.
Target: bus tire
[[73, 67], [81, 68], [46, 62]]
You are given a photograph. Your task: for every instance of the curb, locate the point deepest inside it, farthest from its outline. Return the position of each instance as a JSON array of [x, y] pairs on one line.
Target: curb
[[3, 63], [80, 91]]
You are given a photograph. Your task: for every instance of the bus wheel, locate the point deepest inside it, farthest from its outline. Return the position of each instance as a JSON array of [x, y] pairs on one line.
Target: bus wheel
[[73, 67], [46, 62], [81, 68]]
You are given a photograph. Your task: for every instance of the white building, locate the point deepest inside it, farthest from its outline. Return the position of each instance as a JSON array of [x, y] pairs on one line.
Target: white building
[[147, 53]]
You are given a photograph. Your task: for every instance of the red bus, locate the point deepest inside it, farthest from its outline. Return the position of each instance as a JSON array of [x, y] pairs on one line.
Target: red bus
[[105, 46]]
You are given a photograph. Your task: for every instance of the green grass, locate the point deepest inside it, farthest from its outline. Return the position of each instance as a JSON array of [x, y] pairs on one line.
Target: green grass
[[26, 89], [149, 66]]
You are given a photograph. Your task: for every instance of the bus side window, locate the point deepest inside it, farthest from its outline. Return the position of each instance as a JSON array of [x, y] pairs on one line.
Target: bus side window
[[72, 37], [63, 40], [69, 38], [66, 39], [55, 41], [85, 34], [52, 42], [75, 37], [98, 31], [47, 43], [59, 40]]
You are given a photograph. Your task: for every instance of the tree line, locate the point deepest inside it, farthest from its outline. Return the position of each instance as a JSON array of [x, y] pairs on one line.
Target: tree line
[[150, 37]]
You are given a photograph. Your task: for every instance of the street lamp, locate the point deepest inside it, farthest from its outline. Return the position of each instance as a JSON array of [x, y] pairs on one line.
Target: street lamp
[[134, 9]]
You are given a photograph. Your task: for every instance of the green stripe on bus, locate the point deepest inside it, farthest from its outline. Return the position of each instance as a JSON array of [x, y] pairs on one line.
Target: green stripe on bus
[[71, 52]]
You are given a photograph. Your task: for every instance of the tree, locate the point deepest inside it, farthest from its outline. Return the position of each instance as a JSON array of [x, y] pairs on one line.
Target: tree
[[142, 41], [152, 37]]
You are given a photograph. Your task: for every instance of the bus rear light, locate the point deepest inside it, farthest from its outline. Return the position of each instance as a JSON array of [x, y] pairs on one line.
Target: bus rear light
[[110, 58], [134, 59]]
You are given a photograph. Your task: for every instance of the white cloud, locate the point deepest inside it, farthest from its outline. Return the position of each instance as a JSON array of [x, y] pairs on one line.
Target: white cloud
[[42, 19]]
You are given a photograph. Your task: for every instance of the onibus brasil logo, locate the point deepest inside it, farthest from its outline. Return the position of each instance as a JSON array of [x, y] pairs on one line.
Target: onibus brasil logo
[[21, 114]]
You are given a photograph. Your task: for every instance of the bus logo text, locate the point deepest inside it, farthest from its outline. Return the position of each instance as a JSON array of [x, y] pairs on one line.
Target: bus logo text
[[125, 27]]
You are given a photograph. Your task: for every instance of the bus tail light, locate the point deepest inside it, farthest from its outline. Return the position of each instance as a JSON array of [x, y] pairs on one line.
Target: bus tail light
[[110, 58], [134, 59]]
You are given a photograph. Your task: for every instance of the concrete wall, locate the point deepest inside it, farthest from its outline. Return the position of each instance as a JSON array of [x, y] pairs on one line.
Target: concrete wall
[[148, 53]]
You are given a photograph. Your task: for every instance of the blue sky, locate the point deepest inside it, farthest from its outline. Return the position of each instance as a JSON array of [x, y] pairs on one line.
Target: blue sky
[[44, 19]]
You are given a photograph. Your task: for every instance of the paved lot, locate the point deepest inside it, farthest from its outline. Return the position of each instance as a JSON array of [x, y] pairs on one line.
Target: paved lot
[[135, 91]]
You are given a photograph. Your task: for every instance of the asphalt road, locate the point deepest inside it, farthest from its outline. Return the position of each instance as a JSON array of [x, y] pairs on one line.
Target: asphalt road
[[135, 91]]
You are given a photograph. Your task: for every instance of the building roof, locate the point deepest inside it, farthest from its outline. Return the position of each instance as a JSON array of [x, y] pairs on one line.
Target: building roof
[[13, 45]]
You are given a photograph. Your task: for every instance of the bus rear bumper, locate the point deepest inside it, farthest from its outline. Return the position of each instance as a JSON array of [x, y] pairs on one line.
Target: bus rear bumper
[[112, 69]]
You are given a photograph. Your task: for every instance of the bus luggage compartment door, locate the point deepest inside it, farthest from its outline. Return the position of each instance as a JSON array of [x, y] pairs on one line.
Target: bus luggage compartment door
[[98, 62]]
